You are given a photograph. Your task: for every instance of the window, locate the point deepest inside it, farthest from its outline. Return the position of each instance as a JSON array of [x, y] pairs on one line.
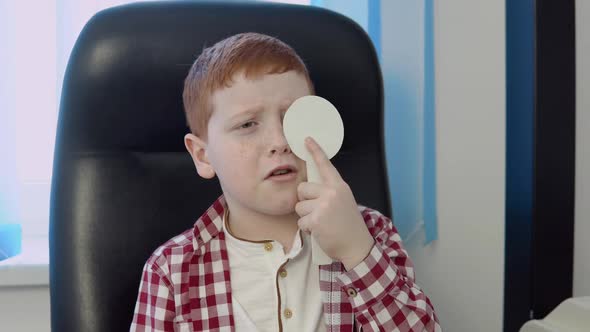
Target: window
[[33, 59]]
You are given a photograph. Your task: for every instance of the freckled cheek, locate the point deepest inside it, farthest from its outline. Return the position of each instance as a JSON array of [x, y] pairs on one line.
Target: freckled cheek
[[250, 150], [241, 160], [243, 150]]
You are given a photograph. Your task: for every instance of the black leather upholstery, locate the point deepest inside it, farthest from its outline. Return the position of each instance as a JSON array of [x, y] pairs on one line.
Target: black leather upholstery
[[123, 183]]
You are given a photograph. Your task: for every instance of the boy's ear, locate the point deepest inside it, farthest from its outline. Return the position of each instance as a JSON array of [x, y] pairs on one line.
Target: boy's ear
[[198, 151]]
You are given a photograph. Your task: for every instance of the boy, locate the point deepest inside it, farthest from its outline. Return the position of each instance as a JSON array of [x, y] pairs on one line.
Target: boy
[[246, 264]]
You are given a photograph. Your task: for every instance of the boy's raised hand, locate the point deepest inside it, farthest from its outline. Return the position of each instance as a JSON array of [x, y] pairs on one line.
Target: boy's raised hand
[[329, 211]]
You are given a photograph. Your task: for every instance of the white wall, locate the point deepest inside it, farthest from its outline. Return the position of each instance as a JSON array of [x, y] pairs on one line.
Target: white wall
[[582, 213], [24, 309], [463, 271]]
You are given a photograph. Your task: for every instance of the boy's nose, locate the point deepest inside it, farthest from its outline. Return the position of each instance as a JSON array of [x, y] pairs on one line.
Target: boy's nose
[[279, 143], [282, 148], [277, 139]]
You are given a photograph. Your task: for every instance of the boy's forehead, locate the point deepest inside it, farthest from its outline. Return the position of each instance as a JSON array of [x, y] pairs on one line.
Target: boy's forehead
[[252, 93]]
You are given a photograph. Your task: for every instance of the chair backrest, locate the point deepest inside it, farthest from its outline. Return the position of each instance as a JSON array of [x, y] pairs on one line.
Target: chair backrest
[[123, 183]]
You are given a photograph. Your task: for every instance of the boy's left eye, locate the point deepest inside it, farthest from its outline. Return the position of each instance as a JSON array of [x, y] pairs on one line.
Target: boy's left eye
[[247, 125]]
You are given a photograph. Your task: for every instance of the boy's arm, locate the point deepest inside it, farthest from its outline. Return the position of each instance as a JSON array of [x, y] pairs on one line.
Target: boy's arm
[[381, 288], [154, 310]]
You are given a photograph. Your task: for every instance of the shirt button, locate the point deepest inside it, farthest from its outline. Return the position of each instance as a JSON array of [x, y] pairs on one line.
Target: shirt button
[[351, 292], [283, 273], [288, 313], [268, 246]]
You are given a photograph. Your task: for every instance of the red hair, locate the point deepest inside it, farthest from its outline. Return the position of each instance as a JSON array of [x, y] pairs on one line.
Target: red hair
[[256, 54]]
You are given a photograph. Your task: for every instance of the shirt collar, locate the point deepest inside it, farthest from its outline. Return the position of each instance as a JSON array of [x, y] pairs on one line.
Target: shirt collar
[[210, 225], [256, 247]]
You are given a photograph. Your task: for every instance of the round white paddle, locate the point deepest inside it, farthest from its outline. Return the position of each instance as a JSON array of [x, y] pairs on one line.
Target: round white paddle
[[313, 116]]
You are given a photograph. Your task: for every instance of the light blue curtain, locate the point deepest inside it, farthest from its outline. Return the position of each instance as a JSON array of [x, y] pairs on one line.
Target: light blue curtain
[[402, 32], [429, 169], [10, 229]]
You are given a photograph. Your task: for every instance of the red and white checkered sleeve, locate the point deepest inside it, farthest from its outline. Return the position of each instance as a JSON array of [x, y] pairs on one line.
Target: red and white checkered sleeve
[[155, 309], [381, 288]]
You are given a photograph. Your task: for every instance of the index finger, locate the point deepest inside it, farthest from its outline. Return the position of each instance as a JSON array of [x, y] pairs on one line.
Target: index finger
[[325, 167]]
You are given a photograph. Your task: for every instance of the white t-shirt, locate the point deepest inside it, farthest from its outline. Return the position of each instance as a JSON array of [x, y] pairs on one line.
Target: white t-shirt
[[271, 288]]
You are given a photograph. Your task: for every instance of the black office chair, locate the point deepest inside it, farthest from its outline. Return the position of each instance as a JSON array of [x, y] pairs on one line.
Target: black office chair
[[123, 183]]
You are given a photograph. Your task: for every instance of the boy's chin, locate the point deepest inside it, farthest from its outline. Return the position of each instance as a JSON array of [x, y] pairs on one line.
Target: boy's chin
[[279, 206], [279, 213]]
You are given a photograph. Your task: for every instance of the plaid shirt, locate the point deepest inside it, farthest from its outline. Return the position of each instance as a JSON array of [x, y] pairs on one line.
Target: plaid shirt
[[186, 284]]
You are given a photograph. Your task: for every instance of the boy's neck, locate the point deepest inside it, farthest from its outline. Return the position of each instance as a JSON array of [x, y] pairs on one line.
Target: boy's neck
[[251, 226]]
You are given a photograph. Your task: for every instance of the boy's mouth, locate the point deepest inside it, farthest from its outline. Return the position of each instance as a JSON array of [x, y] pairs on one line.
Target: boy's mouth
[[281, 170]]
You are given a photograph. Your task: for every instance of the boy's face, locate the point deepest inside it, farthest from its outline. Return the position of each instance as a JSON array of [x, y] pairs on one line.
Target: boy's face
[[245, 143]]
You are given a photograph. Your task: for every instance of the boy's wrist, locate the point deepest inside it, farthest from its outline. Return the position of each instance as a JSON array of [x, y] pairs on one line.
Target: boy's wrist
[[361, 253]]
